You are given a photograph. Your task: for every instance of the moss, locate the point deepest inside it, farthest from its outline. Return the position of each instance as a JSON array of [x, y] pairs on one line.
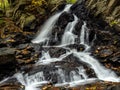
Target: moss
[[4, 4], [71, 1], [114, 22], [39, 2]]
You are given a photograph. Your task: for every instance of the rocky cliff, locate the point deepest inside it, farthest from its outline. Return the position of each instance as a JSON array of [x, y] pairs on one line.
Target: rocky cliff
[[109, 10]]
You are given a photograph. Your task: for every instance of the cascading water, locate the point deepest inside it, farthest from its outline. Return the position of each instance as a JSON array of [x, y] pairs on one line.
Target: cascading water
[[48, 26], [69, 37], [72, 77]]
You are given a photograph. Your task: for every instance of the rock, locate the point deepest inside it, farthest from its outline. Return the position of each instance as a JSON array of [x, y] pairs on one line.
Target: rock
[[105, 51], [11, 87], [8, 62], [22, 46], [26, 20], [78, 27], [64, 18], [108, 10], [54, 4], [114, 87], [76, 47], [103, 38], [55, 52], [7, 55], [82, 14]]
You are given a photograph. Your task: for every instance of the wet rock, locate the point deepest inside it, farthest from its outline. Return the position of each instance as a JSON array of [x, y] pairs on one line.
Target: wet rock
[[77, 47], [105, 51], [78, 27], [108, 10], [64, 19], [80, 10], [7, 55], [27, 53], [55, 52], [69, 62], [114, 62], [11, 87], [114, 87], [103, 38], [8, 62], [56, 36], [22, 46]]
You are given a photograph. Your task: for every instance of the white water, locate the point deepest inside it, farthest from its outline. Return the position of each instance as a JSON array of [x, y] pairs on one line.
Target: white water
[[75, 77], [46, 59], [69, 37], [48, 26]]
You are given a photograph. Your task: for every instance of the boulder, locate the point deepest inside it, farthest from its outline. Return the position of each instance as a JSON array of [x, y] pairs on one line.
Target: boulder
[[108, 10], [11, 87], [8, 63], [7, 55], [104, 51]]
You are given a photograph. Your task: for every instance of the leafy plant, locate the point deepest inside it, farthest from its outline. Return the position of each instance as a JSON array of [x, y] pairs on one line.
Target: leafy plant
[[71, 1], [4, 4]]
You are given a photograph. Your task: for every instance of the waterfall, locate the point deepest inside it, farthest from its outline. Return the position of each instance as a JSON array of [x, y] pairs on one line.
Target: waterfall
[[69, 37], [72, 77], [48, 26]]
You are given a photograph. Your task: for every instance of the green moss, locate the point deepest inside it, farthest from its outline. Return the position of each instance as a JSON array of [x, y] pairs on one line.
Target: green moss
[[114, 22], [71, 1], [4, 4]]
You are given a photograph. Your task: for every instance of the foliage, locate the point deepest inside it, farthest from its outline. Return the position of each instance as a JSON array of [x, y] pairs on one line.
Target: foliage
[[4, 4], [114, 22], [38, 2], [71, 1], [1, 21]]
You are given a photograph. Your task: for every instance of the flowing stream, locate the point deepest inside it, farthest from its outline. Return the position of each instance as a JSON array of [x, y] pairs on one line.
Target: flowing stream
[[77, 76]]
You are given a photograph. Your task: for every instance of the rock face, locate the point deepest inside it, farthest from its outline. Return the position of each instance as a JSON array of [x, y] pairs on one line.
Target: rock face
[[109, 10], [11, 87], [30, 14], [7, 61], [7, 55]]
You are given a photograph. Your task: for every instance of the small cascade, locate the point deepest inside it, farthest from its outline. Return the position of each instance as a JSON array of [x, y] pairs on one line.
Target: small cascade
[[69, 37], [48, 26], [84, 36], [101, 72], [68, 67]]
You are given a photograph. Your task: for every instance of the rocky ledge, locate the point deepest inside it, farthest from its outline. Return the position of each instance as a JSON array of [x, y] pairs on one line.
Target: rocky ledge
[[109, 10]]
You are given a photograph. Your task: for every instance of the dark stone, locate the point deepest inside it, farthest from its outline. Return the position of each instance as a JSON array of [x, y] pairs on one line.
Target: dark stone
[[115, 87], [104, 51], [80, 11], [61, 7], [8, 63], [78, 27], [11, 87], [22, 46], [7, 55], [55, 52], [64, 18], [103, 38], [77, 47]]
